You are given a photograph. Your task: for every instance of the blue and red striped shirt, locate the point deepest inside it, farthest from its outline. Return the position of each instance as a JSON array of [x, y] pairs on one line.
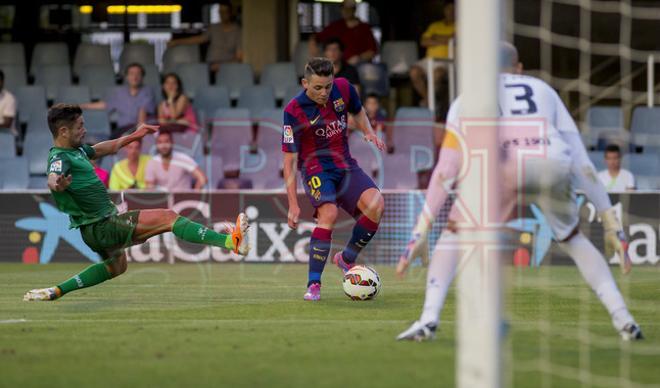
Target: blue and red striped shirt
[[319, 133]]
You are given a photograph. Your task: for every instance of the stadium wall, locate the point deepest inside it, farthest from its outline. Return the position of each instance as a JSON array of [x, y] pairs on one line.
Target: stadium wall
[[32, 230]]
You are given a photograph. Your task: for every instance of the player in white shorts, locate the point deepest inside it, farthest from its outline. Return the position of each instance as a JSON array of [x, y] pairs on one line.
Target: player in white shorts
[[548, 181]]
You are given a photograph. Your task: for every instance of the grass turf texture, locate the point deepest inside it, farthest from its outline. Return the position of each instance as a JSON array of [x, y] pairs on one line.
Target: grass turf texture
[[241, 325]]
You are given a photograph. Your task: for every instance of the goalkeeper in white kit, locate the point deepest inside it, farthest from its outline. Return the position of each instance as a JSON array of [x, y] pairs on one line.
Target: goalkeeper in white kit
[[549, 182]]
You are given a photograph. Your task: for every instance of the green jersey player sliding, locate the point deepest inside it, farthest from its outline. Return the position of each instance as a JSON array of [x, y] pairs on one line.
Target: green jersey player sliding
[[79, 193]]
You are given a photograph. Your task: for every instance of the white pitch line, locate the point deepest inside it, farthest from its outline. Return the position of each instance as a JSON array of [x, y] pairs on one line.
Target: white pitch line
[[13, 321]]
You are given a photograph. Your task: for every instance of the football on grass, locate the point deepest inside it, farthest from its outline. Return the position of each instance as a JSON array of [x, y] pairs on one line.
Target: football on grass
[[361, 283]]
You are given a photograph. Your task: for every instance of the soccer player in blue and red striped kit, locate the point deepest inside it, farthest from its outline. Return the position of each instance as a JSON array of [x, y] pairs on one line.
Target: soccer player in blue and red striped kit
[[315, 141]]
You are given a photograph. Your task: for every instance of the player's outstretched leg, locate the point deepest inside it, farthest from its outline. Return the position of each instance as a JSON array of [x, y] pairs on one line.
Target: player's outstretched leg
[[594, 269], [372, 205], [319, 249], [440, 275]]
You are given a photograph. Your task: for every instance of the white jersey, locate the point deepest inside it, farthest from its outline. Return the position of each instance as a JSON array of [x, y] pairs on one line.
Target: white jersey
[[525, 97]]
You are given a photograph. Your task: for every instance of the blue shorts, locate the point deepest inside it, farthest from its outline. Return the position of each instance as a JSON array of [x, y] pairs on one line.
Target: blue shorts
[[341, 187]]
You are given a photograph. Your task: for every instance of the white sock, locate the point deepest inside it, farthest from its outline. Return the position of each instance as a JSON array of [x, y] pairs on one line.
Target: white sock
[[440, 275], [596, 272]]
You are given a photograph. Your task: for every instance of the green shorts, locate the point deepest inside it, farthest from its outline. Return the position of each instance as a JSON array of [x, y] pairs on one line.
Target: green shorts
[[110, 236]]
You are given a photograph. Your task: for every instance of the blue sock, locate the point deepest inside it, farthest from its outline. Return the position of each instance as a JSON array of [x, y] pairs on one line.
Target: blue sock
[[319, 249], [363, 231]]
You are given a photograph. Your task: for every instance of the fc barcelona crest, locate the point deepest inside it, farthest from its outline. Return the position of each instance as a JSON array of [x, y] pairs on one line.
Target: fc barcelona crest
[[339, 104]]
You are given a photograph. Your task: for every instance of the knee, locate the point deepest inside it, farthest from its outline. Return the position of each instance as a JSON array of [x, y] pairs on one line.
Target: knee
[[379, 207], [327, 216], [117, 265]]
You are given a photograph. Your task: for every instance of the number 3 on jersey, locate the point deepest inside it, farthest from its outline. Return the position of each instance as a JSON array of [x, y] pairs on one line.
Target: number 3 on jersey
[[524, 93]]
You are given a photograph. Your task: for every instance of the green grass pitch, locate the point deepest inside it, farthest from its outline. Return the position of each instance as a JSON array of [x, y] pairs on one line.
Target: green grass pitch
[[242, 325]]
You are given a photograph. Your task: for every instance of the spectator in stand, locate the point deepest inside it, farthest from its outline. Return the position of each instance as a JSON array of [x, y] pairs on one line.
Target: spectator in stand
[[129, 173], [172, 170], [334, 51], [102, 173], [436, 41], [356, 36], [615, 178], [175, 112], [224, 40], [7, 108], [232, 179], [377, 119], [134, 102]]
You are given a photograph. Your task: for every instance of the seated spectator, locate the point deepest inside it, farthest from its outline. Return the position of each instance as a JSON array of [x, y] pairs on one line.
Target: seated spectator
[[615, 178], [224, 40], [175, 112], [7, 108], [377, 119], [100, 172], [172, 170], [334, 51], [133, 103], [436, 41], [356, 36], [232, 179], [129, 173]]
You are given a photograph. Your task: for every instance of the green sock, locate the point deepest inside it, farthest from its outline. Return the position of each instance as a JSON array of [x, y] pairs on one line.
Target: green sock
[[90, 276], [193, 232]]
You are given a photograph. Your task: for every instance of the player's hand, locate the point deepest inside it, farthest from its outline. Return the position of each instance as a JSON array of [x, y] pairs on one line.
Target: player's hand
[[62, 182], [416, 247], [615, 239], [294, 215], [146, 129], [373, 138]]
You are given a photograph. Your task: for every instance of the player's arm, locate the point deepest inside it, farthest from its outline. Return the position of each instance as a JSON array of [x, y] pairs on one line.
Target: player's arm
[[362, 123], [290, 170], [59, 182], [195, 39], [200, 178], [110, 147]]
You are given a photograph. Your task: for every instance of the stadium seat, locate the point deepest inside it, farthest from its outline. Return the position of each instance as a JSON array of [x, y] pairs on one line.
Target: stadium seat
[[208, 99], [38, 120], [36, 146], [645, 169], [91, 54], [269, 130], [396, 172], [645, 126], [235, 76], [598, 159], [152, 79], [374, 79], [14, 174], [78, 94], [301, 57], [97, 123], [15, 76], [412, 134], [263, 169], [30, 99], [257, 98], [291, 92], [399, 56], [52, 77], [7, 144], [605, 126], [178, 55], [232, 129], [142, 53], [99, 78], [191, 143], [280, 76], [12, 53], [193, 76], [45, 54]]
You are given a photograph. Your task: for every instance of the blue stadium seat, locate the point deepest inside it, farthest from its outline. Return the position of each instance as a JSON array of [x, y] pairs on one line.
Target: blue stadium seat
[[235, 76], [99, 78], [36, 146], [301, 56], [31, 100], [52, 77], [291, 92], [78, 94], [194, 76], [14, 174], [152, 79], [12, 53], [598, 159], [7, 144], [209, 99], [263, 167], [399, 56], [269, 129], [279, 76], [178, 55], [91, 54], [645, 169], [257, 98], [605, 126], [232, 131], [142, 53], [97, 123], [46, 54], [15, 76], [374, 79], [645, 126]]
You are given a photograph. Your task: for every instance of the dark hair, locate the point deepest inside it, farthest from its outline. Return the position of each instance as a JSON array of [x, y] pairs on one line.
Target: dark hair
[[372, 95], [319, 66], [166, 132], [2, 76], [334, 40], [179, 85], [613, 148], [135, 64], [62, 115]]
